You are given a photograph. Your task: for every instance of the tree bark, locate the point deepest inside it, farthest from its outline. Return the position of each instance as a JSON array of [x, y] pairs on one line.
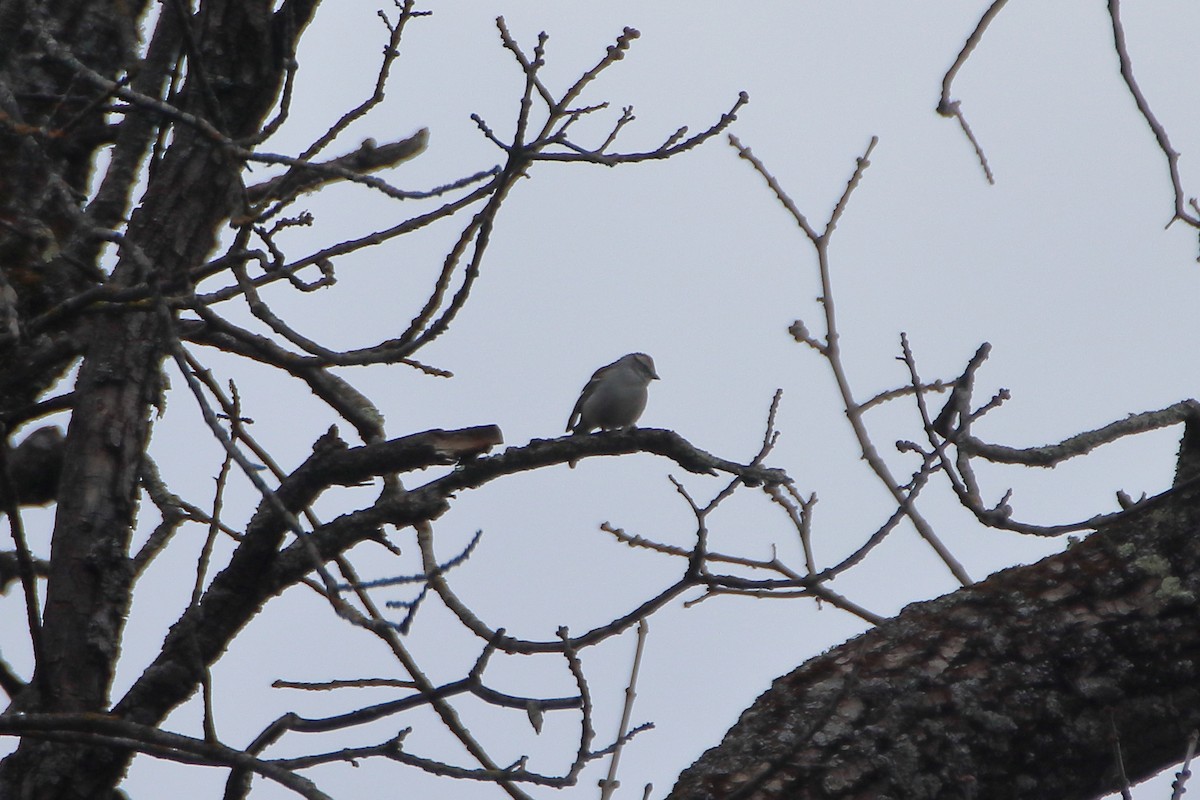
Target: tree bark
[[51, 127], [1017, 686], [237, 52]]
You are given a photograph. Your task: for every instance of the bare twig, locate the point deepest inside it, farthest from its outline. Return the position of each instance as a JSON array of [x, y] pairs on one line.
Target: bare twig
[[1156, 127], [25, 566], [1179, 785], [1118, 759], [830, 348], [610, 783], [391, 52], [949, 107], [1082, 443]]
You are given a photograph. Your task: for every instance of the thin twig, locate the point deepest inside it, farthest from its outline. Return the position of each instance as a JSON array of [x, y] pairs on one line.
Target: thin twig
[[1179, 785], [1143, 106], [25, 568], [949, 107], [610, 783]]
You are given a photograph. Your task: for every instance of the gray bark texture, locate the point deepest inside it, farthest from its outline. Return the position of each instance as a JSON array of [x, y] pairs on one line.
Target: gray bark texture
[[1017, 686]]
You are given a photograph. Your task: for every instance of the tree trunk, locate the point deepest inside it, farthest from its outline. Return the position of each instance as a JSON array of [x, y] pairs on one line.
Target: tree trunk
[[233, 82]]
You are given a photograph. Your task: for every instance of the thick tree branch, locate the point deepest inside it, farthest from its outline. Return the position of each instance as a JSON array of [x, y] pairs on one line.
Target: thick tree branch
[[1005, 688]]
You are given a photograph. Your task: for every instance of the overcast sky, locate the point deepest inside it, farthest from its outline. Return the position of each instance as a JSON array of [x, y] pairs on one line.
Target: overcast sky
[[1063, 265]]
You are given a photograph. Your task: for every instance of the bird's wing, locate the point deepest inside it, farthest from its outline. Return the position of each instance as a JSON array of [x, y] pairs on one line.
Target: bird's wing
[[577, 411]]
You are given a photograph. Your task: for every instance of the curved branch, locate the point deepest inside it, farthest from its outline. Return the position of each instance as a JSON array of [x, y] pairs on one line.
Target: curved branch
[[1051, 455]]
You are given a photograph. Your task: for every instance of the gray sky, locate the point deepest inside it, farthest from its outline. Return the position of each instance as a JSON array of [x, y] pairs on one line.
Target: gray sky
[[1063, 266]]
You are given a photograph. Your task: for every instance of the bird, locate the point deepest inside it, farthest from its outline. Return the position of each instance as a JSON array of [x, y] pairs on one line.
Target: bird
[[615, 396]]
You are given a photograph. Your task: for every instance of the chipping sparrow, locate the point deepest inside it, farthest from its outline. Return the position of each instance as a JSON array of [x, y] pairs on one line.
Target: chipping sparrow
[[615, 396]]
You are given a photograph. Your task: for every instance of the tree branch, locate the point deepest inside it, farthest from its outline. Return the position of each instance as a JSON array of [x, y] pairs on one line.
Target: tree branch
[[1009, 685]]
